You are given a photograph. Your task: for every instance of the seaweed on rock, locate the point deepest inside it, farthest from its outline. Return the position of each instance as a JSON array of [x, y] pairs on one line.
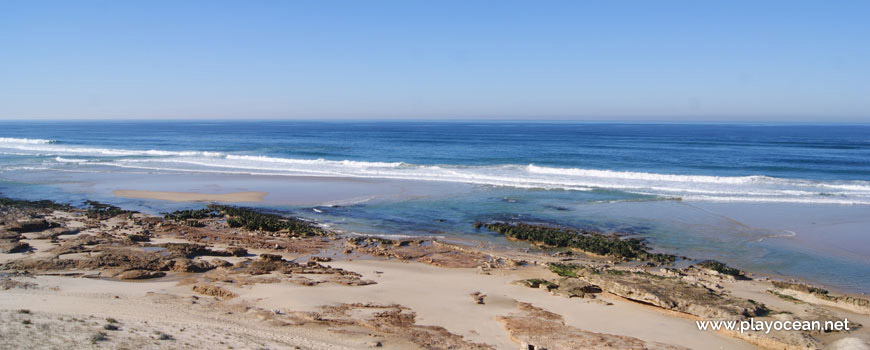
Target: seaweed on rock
[[254, 220], [41, 204], [101, 211], [587, 241]]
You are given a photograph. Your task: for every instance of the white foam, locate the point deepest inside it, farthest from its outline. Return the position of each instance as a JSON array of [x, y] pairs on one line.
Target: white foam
[[347, 163], [628, 175], [70, 160], [49, 147], [686, 187], [13, 140]]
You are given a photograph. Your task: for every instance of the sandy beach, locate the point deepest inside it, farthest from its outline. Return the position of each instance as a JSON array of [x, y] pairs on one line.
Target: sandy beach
[[422, 175], [105, 277]]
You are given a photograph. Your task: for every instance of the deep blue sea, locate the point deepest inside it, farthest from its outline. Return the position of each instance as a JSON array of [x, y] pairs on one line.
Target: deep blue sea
[[770, 163], [665, 182]]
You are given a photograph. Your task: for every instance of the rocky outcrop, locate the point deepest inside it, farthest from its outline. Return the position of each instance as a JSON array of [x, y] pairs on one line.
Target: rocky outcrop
[[568, 287], [14, 247], [53, 233], [536, 328], [213, 290], [395, 321], [427, 251], [190, 250], [672, 293], [30, 225], [188, 265], [237, 251], [9, 235], [574, 287], [139, 274], [819, 296]]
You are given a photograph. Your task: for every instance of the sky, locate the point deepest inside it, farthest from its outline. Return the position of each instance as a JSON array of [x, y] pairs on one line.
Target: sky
[[532, 60]]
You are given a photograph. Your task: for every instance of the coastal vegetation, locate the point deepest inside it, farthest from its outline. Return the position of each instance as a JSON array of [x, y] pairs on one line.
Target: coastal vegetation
[[786, 297], [564, 270], [822, 294], [97, 210], [247, 218], [722, 268], [800, 287], [538, 282], [191, 214], [41, 204], [254, 220], [93, 209], [584, 240]]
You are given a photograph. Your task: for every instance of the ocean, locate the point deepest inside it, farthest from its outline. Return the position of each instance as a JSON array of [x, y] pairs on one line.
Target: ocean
[[786, 200]]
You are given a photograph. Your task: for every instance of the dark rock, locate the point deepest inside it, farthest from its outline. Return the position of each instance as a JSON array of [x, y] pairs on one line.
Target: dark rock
[[9, 235], [573, 287], [14, 247], [187, 265], [30, 225], [238, 251], [139, 238], [213, 291], [673, 294], [140, 274], [270, 257]]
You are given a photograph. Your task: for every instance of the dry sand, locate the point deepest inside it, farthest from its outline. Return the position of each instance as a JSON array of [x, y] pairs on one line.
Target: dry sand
[[410, 300], [439, 296], [192, 196]]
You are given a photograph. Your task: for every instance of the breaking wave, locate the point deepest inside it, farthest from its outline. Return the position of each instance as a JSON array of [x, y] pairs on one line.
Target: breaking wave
[[13, 140], [756, 188]]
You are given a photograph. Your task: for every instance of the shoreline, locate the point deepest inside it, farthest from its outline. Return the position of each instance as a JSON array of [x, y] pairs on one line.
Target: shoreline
[[826, 250], [302, 288]]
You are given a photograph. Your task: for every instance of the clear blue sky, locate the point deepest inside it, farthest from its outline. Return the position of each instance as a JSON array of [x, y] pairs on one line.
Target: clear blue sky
[[602, 60]]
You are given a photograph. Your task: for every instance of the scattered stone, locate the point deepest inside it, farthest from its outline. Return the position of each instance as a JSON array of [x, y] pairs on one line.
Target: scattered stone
[[478, 297], [98, 337]]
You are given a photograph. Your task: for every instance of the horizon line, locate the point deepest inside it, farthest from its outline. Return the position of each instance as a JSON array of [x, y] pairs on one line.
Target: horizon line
[[443, 120]]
